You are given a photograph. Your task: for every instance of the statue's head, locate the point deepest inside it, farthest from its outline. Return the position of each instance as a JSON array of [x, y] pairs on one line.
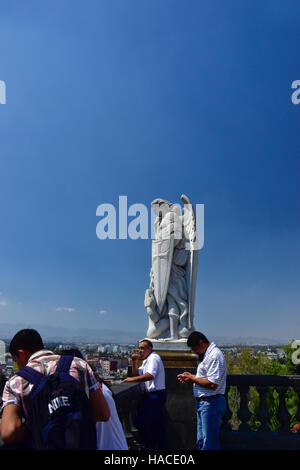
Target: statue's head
[[163, 206]]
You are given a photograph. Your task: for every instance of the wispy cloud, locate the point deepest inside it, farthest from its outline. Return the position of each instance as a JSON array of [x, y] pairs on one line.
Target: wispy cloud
[[102, 312], [3, 303], [65, 309]]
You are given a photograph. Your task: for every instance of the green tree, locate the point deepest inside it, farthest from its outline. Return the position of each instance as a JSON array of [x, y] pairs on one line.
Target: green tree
[[246, 362], [292, 368]]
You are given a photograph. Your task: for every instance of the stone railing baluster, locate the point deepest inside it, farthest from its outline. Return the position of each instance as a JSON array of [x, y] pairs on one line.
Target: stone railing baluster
[[297, 415], [225, 426], [283, 415], [243, 413], [263, 413]]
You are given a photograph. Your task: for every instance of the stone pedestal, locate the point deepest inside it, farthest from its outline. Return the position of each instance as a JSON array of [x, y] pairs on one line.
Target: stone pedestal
[[180, 410], [175, 353], [178, 359], [169, 345]]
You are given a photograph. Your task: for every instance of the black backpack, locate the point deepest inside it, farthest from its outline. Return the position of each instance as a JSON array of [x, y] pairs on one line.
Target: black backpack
[[59, 412]]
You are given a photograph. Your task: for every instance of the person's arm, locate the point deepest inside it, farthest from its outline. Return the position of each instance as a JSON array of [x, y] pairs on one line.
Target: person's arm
[[188, 378], [12, 429], [139, 378], [100, 408], [135, 370]]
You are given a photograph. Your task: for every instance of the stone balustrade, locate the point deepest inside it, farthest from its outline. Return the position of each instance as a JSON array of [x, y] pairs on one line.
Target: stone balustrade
[[242, 428], [263, 428]]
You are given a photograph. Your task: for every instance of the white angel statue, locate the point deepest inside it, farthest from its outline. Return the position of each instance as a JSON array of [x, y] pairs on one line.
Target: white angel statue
[[170, 299]]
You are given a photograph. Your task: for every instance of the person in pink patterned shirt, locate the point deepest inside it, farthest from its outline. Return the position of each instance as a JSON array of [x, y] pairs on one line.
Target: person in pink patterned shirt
[[27, 349]]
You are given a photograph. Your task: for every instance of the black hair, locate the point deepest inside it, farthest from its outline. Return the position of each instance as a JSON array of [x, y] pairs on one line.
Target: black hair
[[147, 342], [28, 340], [194, 339]]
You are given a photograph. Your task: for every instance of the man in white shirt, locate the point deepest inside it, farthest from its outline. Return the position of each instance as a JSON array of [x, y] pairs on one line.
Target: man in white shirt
[[209, 385], [150, 416]]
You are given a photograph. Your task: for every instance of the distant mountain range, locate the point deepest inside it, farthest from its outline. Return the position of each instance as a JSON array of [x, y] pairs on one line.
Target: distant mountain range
[[248, 341], [76, 335], [88, 335]]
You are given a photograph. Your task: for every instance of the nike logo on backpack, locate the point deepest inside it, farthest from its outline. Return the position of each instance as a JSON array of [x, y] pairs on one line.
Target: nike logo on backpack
[[58, 402]]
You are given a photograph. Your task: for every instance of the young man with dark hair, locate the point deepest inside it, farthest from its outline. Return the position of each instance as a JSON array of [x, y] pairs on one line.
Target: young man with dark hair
[[209, 389], [29, 340], [27, 349], [195, 337], [150, 416]]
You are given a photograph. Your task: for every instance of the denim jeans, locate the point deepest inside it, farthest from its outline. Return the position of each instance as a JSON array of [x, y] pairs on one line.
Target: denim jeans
[[209, 415]]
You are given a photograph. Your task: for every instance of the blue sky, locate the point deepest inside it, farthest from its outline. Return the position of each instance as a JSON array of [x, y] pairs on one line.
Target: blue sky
[[149, 99]]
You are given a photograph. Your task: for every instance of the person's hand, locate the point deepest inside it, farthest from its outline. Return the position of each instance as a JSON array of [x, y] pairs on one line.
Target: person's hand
[[135, 357], [186, 377], [129, 379], [180, 378]]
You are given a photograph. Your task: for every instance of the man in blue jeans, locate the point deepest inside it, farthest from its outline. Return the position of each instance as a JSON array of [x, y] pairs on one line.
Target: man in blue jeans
[[209, 385]]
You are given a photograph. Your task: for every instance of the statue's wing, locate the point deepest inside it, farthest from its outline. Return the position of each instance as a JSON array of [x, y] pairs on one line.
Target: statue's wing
[[190, 232], [162, 254]]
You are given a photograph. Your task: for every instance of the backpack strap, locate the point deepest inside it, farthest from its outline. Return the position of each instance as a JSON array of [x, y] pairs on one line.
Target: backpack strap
[[28, 373], [64, 364]]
